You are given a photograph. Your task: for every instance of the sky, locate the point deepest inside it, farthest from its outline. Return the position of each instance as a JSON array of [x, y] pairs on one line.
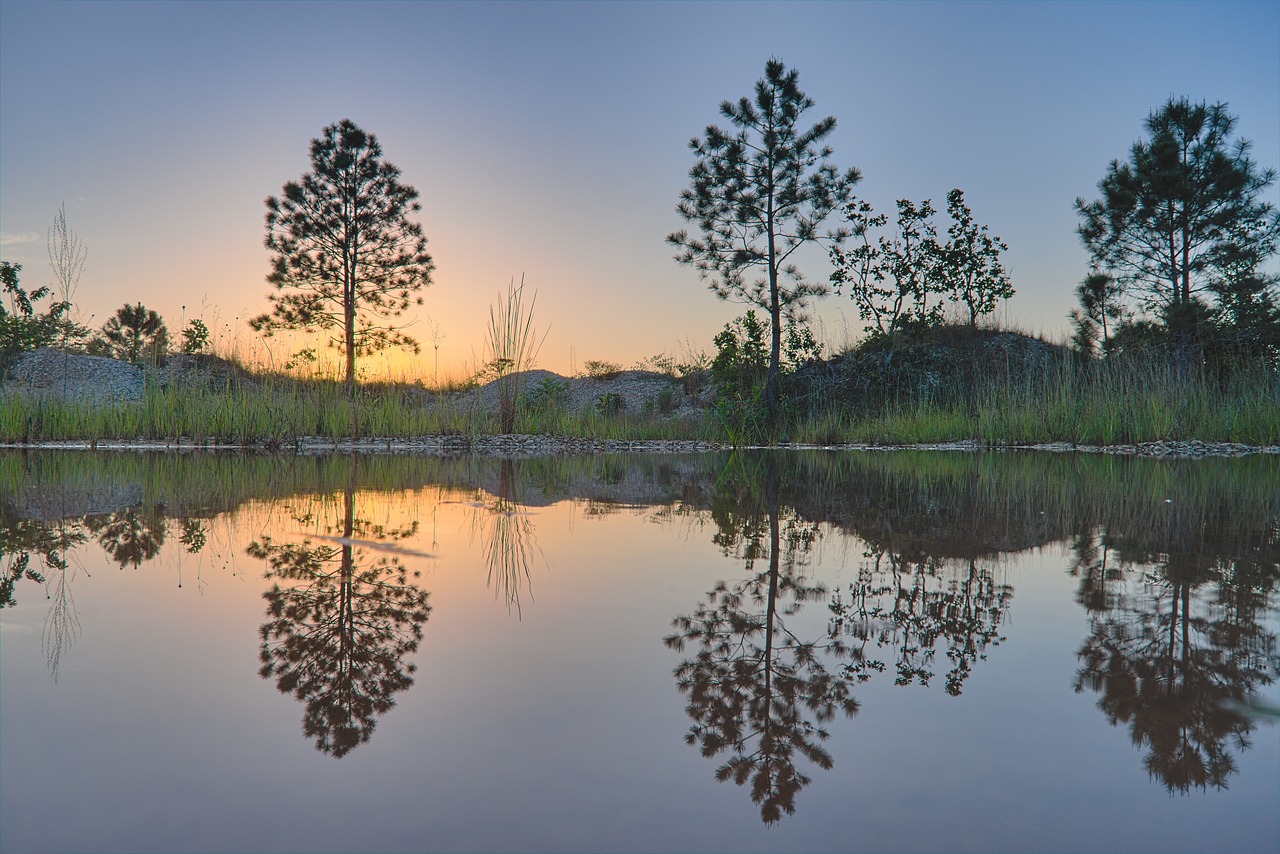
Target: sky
[[550, 141]]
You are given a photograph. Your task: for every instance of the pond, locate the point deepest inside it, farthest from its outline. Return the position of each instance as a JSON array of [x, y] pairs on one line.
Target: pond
[[771, 651]]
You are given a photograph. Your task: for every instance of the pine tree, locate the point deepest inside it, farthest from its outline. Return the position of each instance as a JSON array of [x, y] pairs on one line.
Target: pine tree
[[347, 260], [757, 194]]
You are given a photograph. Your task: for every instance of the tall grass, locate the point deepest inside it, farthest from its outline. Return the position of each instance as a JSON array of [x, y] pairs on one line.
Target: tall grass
[[513, 347], [1096, 404]]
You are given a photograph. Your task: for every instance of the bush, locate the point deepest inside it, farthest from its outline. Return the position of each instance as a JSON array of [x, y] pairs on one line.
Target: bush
[[601, 370], [22, 326]]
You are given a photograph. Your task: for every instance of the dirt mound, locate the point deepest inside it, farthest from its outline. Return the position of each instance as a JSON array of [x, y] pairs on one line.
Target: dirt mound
[[948, 363]]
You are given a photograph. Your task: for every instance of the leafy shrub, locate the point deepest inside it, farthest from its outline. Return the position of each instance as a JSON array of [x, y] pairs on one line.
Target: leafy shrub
[[600, 370], [610, 404], [23, 326], [195, 338], [667, 401], [550, 394]]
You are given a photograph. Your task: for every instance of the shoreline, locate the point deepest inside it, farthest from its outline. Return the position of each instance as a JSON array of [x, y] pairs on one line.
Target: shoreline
[[531, 445]]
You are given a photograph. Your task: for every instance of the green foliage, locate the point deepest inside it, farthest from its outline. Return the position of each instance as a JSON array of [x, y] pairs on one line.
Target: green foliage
[[610, 403], [893, 276], [195, 338], [890, 280], [1099, 297], [23, 326], [969, 265], [304, 358], [548, 395], [740, 371], [346, 260], [740, 366], [758, 194], [134, 334]]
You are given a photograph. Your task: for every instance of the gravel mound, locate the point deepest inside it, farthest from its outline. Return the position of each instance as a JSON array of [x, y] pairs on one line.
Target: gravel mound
[[626, 391], [52, 373]]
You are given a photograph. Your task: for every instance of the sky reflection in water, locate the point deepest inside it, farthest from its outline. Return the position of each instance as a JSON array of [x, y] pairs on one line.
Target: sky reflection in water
[[862, 652]]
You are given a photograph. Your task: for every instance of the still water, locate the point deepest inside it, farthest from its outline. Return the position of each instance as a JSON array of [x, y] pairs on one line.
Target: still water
[[773, 651]]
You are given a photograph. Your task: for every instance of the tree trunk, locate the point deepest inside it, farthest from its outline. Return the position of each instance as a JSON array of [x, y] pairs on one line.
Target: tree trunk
[[775, 318], [349, 328]]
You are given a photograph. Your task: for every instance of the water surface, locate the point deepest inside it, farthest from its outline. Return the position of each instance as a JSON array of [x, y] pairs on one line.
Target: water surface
[[774, 651]]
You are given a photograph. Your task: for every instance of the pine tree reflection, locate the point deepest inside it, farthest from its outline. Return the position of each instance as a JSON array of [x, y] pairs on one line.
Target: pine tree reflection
[[1178, 647], [754, 684], [338, 632], [130, 536], [19, 538]]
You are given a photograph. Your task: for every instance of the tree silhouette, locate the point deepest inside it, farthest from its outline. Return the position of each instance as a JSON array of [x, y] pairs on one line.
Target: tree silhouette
[[755, 689], [20, 539], [338, 632], [346, 257], [1185, 207], [135, 334], [757, 195], [130, 536]]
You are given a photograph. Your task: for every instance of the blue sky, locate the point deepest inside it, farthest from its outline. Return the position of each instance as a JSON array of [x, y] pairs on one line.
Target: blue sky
[[550, 139]]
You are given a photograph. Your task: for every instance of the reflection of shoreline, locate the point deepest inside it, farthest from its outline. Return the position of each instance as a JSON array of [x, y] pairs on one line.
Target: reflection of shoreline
[[1201, 535], [899, 499]]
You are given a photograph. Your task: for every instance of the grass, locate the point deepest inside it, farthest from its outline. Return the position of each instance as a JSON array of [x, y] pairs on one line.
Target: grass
[[1098, 404], [1093, 405]]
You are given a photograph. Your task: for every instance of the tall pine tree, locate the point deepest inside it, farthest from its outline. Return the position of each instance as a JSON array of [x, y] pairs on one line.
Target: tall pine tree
[[757, 194], [346, 259]]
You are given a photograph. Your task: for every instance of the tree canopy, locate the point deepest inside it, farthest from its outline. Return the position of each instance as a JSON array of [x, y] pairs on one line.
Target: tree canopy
[[1184, 215], [347, 260]]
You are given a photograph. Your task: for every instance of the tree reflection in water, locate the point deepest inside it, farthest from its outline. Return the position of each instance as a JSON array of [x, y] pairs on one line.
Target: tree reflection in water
[[130, 536], [50, 543], [753, 683], [910, 604], [338, 632], [1177, 644]]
